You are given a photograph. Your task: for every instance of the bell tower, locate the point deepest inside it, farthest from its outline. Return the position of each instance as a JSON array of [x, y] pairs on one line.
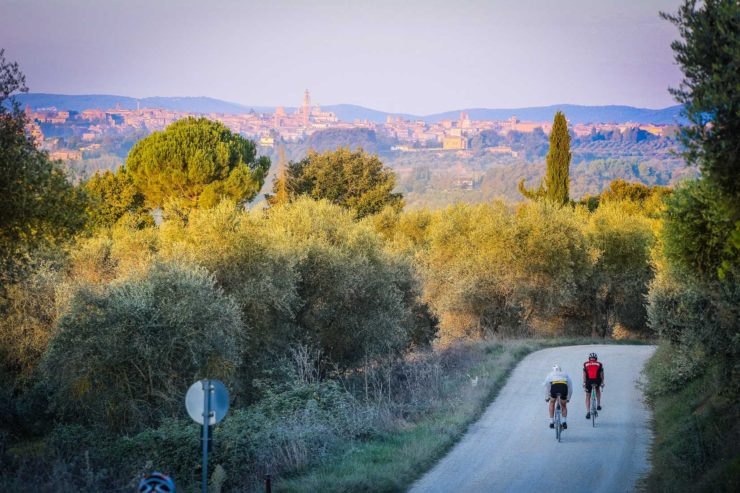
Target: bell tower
[[306, 107]]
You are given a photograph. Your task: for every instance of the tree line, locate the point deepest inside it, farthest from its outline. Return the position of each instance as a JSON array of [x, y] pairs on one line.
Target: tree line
[[120, 291]]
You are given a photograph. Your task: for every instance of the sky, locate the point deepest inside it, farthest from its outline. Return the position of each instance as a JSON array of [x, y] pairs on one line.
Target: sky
[[412, 56]]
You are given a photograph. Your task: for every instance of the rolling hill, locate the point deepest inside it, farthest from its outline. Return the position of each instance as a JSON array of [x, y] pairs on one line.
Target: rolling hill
[[350, 112]]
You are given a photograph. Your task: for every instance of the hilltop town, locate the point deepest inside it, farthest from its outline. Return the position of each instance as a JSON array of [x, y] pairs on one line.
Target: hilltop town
[[73, 135]]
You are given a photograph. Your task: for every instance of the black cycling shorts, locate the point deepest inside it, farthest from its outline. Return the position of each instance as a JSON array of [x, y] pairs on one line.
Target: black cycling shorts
[[559, 388], [592, 381]]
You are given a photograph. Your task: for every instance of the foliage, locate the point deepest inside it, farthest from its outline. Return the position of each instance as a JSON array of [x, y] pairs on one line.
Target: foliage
[[694, 301], [698, 228], [113, 196], [354, 297], [38, 205], [123, 358], [196, 163], [622, 243], [29, 314], [700, 260], [489, 270], [557, 177], [709, 55], [304, 272], [648, 199], [280, 186], [697, 429], [352, 179]]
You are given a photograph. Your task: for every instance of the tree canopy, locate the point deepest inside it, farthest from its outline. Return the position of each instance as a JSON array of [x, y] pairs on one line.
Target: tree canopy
[[37, 203], [557, 177], [351, 179], [704, 220], [112, 196], [196, 162], [708, 54]]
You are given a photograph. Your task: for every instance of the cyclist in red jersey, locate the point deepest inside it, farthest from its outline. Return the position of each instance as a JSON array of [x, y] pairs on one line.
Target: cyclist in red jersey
[[593, 374]]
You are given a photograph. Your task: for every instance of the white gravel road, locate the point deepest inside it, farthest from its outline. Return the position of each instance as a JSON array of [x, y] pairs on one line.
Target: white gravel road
[[512, 449]]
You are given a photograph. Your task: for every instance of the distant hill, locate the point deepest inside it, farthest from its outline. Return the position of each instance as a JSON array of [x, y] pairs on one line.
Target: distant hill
[[574, 113], [350, 112], [105, 101]]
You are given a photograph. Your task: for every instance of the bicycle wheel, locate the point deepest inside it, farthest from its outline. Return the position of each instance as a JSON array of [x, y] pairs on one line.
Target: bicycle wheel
[[594, 412]]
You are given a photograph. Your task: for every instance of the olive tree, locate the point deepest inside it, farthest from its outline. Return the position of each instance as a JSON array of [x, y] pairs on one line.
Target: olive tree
[[125, 356]]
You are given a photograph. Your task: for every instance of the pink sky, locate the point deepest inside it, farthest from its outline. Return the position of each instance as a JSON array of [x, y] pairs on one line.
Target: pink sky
[[400, 56]]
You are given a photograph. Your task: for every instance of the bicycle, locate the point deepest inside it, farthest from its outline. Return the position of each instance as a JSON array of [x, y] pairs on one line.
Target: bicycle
[[594, 412], [558, 419]]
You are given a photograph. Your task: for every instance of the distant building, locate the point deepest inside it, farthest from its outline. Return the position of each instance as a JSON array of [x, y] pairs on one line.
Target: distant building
[[454, 142], [65, 155], [267, 141], [501, 150], [306, 107]]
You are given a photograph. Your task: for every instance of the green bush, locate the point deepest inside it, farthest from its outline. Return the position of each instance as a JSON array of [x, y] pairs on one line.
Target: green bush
[[622, 242], [125, 356], [491, 270], [288, 430], [355, 298]]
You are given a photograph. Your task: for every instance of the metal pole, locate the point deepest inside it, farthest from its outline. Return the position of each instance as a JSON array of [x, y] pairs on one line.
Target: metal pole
[[206, 423], [268, 483]]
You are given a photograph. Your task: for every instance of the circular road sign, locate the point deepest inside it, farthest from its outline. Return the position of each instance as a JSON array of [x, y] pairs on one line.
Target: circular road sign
[[195, 401]]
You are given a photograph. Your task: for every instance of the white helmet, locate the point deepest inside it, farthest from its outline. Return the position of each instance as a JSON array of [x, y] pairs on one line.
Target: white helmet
[[556, 368]]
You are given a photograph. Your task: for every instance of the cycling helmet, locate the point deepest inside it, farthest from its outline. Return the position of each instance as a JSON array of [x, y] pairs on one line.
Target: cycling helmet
[[593, 356], [156, 482], [555, 367]]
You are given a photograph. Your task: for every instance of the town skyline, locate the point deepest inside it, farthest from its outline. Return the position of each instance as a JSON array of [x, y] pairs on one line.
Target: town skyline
[[417, 58], [52, 128], [210, 105]]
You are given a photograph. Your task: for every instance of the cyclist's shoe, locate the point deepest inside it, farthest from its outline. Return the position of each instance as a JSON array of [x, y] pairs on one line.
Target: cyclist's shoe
[[598, 408], [588, 415], [552, 425], [565, 426]]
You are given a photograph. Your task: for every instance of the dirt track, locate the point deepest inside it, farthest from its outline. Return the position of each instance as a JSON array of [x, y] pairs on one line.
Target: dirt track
[[512, 449]]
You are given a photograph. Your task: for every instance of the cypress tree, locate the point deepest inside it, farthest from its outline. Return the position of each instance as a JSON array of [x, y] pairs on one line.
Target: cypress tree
[[557, 179], [282, 196]]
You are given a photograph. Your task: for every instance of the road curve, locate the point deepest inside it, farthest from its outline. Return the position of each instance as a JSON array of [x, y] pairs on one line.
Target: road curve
[[512, 449]]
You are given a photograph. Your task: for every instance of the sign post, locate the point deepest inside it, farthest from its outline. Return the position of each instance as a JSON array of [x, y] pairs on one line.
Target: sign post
[[206, 425], [207, 402]]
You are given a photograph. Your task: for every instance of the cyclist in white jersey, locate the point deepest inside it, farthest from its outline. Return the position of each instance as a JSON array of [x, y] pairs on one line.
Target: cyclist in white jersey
[[558, 382]]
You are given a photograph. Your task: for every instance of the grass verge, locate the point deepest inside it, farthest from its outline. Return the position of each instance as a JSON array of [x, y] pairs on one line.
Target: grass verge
[[696, 423], [392, 461]]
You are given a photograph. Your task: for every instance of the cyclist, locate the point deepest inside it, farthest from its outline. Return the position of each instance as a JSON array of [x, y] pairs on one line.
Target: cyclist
[[593, 374], [558, 382]]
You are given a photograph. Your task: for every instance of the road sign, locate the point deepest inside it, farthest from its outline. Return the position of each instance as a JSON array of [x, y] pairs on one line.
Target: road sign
[[207, 398], [195, 401]]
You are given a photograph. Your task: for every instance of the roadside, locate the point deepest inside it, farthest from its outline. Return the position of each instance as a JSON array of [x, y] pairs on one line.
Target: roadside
[[696, 425], [392, 461]]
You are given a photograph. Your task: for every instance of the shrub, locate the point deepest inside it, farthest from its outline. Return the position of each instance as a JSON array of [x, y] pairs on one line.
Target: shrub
[[125, 357], [355, 299], [622, 242]]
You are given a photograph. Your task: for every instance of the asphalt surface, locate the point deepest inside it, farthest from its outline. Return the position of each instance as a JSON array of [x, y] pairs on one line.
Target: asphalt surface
[[512, 449]]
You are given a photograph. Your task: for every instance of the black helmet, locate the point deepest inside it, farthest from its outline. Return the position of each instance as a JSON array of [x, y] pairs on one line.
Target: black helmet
[[593, 356]]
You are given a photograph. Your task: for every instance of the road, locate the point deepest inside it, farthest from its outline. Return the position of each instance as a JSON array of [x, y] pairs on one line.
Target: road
[[512, 449]]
